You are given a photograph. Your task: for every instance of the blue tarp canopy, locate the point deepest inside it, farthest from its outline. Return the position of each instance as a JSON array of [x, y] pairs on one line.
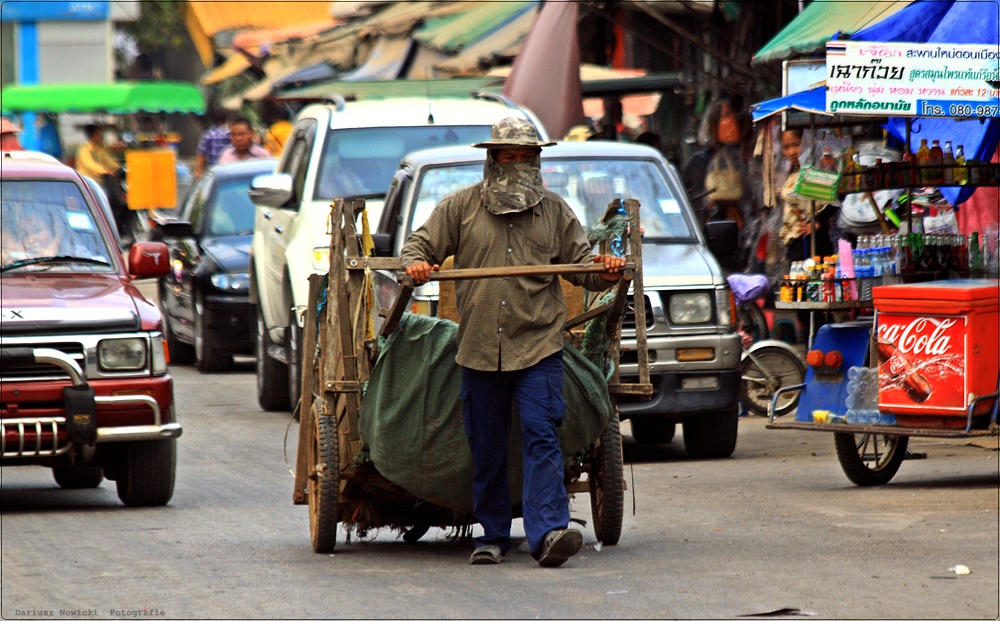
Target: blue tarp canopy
[[936, 21], [812, 101]]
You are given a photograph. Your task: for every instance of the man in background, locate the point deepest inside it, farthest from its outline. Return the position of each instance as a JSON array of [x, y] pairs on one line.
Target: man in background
[[242, 147]]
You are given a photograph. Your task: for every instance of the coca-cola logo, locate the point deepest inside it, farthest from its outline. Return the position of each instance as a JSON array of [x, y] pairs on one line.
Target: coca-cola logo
[[923, 335]]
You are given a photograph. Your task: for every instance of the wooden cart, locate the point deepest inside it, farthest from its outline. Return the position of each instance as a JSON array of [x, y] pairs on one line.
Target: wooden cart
[[340, 489]]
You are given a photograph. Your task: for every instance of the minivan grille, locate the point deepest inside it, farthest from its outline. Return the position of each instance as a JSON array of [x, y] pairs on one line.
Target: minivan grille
[[45, 371]]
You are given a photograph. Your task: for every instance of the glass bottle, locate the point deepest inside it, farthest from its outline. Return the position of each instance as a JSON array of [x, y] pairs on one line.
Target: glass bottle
[[977, 268], [935, 160], [911, 174], [923, 160], [827, 161], [948, 160], [961, 175]]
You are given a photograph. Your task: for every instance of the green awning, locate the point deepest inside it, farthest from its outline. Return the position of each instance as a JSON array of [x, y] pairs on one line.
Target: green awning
[[819, 22], [451, 33], [453, 87], [110, 98]]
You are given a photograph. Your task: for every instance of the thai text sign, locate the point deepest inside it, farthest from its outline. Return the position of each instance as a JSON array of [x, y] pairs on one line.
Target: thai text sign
[[911, 79]]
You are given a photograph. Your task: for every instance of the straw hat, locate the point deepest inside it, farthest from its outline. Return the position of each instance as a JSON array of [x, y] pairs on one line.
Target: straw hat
[[513, 132]]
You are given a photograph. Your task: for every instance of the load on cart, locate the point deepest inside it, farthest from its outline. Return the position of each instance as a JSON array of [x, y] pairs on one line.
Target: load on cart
[[918, 354], [381, 437]]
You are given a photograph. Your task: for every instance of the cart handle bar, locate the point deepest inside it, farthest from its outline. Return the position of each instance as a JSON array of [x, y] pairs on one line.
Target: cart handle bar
[[524, 270]]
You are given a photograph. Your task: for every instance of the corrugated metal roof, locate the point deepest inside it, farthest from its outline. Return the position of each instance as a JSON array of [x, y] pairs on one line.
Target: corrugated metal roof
[[215, 15], [454, 32]]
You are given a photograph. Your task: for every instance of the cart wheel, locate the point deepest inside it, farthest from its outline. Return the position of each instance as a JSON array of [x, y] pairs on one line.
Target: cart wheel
[[870, 458], [757, 388], [324, 480], [607, 485]]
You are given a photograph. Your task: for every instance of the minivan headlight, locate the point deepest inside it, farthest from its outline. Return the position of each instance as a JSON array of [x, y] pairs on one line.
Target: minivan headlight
[[122, 354], [688, 308]]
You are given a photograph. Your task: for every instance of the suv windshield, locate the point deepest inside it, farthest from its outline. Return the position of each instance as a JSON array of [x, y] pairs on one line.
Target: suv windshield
[[361, 162], [587, 185], [233, 212], [42, 219]]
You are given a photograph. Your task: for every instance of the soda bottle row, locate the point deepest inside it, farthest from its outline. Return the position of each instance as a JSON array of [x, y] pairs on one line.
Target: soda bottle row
[[919, 252], [931, 165]]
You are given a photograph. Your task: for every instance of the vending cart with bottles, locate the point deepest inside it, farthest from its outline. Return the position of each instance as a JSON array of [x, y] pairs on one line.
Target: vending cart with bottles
[[919, 356]]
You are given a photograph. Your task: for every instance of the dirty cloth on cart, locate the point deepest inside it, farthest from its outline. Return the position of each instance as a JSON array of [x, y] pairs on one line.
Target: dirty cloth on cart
[[411, 414]]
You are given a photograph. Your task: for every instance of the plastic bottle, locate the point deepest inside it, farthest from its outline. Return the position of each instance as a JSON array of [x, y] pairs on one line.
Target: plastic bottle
[[960, 176], [827, 161], [923, 161], [948, 160], [935, 160]]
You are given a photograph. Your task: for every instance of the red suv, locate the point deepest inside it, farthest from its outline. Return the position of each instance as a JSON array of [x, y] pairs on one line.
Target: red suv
[[84, 387]]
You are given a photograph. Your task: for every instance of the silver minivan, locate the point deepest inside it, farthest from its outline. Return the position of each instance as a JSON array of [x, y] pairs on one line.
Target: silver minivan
[[694, 352]]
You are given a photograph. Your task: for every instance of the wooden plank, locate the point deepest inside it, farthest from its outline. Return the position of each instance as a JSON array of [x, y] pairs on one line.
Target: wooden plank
[[635, 246], [398, 308], [642, 390], [334, 386], [474, 273], [305, 404], [585, 317]]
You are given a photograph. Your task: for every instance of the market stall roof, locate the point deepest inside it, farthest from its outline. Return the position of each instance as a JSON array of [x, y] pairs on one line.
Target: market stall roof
[[945, 22], [214, 16], [110, 98], [452, 33], [819, 22], [812, 101]]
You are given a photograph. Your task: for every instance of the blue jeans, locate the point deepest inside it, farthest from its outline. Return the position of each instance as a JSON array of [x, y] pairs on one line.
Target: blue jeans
[[488, 397]]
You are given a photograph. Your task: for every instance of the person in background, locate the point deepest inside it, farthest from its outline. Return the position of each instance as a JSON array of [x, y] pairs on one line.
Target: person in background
[[8, 137], [93, 159], [242, 147], [650, 138], [510, 334], [48, 136], [278, 133], [212, 143], [797, 226]]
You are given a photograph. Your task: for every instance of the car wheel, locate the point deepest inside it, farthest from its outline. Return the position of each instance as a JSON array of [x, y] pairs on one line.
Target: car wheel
[[272, 376], [78, 477], [147, 474], [293, 348], [711, 435], [180, 353], [206, 356], [652, 430]]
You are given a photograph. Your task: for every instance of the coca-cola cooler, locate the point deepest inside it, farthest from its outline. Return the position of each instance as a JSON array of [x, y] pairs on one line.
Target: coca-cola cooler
[[937, 349]]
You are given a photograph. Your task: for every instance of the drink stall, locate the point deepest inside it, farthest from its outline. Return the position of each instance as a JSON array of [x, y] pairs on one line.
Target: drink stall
[[920, 355]]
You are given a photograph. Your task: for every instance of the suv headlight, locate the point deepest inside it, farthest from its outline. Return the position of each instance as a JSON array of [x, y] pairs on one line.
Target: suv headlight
[[122, 354], [321, 260], [231, 282], [688, 308]]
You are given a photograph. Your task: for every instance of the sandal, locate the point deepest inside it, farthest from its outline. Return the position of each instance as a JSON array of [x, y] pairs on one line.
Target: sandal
[[486, 555], [558, 546]]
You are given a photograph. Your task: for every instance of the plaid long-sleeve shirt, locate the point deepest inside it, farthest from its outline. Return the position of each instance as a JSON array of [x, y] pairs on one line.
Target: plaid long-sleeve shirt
[[507, 323]]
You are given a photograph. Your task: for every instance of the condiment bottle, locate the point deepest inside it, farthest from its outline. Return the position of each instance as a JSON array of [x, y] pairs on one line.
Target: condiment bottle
[[948, 159], [923, 160], [960, 175], [935, 161]]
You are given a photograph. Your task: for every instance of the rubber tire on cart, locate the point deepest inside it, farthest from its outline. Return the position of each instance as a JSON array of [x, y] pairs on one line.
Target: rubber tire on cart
[[206, 357], [652, 430], [272, 376], [324, 478], [788, 370], [711, 435], [293, 349], [78, 477], [147, 475], [870, 458], [607, 485]]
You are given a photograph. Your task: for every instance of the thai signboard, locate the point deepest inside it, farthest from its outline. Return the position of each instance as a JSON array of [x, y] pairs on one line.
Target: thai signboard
[[911, 79]]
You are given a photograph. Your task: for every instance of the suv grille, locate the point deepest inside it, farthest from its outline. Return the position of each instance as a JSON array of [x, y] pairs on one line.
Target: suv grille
[[628, 322], [46, 371]]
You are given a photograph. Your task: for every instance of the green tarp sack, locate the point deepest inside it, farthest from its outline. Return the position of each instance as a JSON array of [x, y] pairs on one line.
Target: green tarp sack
[[411, 415]]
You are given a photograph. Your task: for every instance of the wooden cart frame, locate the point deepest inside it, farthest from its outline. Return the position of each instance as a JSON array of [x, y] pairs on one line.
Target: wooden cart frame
[[339, 489]]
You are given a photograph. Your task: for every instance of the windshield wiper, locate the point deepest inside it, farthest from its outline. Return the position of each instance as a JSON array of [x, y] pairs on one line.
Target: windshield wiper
[[58, 259]]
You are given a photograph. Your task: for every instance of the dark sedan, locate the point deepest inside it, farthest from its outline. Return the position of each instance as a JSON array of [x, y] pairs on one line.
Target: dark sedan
[[205, 299]]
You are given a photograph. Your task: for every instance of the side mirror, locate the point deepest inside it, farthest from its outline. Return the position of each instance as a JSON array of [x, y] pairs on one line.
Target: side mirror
[[723, 240], [273, 190], [175, 228], [148, 260], [383, 244]]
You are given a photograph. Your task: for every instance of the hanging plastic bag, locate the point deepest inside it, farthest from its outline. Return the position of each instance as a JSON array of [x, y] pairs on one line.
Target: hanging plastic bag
[[729, 126], [723, 180]]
